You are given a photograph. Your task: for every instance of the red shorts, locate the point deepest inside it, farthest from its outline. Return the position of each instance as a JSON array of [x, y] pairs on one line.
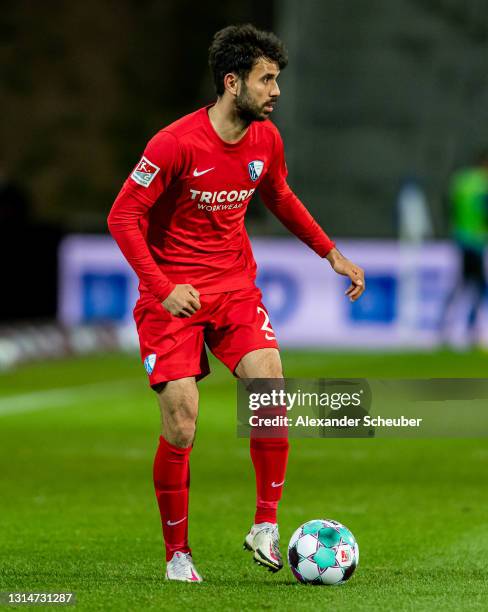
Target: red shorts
[[231, 324]]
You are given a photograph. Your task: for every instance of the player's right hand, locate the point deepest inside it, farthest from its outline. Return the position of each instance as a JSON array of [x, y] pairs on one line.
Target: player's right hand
[[183, 301]]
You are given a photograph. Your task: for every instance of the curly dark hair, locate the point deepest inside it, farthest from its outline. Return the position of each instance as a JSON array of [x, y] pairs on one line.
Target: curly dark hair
[[237, 48]]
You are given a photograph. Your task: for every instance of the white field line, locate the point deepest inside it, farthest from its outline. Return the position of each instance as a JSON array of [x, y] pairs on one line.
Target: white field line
[[63, 396]]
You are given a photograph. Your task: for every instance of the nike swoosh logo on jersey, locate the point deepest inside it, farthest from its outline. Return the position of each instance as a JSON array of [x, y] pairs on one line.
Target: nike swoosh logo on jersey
[[279, 484], [172, 523], [196, 173]]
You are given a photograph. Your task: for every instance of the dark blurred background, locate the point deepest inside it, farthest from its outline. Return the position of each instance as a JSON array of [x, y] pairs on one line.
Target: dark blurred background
[[87, 84], [375, 92]]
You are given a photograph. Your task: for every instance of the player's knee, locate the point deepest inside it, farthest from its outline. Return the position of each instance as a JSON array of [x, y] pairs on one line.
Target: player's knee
[[275, 371], [273, 366], [181, 411], [179, 420], [271, 369], [180, 425], [184, 434]]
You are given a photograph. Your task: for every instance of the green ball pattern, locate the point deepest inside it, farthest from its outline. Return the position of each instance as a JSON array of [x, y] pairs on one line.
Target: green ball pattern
[[329, 537], [312, 527], [324, 557]]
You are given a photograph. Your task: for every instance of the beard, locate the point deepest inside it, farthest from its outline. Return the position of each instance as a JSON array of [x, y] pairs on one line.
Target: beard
[[247, 109]]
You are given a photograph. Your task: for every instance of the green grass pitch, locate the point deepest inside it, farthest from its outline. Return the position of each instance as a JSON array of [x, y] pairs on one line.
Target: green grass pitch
[[77, 509]]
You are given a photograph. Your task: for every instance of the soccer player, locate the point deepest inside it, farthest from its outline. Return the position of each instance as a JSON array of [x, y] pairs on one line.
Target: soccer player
[[179, 221], [468, 191]]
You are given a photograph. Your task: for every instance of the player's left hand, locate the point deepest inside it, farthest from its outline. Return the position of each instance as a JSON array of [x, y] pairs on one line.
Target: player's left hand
[[342, 265]]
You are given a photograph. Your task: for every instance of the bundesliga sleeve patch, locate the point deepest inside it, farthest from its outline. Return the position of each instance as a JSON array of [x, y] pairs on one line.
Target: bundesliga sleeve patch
[[144, 172]]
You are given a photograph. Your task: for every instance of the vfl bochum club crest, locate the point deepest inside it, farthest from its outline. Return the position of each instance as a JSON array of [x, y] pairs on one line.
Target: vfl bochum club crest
[[149, 362], [255, 169]]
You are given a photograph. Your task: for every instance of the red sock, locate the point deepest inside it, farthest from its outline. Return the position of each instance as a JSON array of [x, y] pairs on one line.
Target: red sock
[[269, 457], [172, 483]]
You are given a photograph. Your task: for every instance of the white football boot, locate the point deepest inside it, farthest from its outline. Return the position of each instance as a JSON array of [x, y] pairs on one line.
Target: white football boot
[[264, 540], [181, 568]]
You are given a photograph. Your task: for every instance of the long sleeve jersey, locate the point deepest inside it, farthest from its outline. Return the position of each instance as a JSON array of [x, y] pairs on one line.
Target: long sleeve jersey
[[179, 217]]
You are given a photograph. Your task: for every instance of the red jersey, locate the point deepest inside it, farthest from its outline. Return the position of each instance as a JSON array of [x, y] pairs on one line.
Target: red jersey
[[179, 217]]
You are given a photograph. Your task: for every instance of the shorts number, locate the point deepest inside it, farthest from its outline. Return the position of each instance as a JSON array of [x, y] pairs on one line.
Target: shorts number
[[269, 332]]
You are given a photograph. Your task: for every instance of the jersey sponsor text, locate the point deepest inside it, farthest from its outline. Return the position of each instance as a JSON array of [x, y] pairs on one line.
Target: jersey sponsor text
[[210, 197]]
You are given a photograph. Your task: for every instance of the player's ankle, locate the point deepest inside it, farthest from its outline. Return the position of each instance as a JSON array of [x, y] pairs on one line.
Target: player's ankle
[[265, 518], [171, 554]]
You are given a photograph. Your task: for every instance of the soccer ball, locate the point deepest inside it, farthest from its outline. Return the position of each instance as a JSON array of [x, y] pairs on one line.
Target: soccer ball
[[323, 552]]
